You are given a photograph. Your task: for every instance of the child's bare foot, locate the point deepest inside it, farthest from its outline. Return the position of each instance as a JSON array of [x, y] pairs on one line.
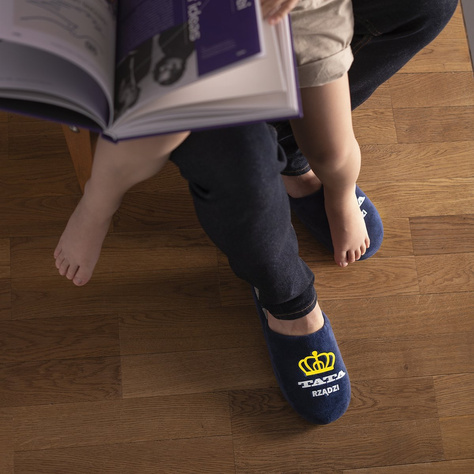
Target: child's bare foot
[[348, 231], [80, 244]]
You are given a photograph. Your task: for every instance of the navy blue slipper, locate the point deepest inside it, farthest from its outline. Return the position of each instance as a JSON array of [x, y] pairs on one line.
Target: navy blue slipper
[[310, 371], [311, 212]]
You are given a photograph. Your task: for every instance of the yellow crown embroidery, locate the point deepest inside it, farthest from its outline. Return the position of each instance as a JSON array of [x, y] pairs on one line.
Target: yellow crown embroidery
[[317, 363]]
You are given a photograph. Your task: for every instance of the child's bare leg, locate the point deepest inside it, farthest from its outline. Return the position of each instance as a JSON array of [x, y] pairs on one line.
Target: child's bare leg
[[325, 136], [116, 168]]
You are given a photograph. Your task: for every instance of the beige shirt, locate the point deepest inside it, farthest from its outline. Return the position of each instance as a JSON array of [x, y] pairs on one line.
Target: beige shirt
[[322, 33]]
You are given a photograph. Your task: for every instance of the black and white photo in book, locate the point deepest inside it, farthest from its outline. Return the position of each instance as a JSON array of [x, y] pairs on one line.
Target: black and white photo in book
[[165, 60]]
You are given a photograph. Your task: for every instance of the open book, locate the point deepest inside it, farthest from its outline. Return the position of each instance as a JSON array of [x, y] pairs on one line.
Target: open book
[[131, 68]]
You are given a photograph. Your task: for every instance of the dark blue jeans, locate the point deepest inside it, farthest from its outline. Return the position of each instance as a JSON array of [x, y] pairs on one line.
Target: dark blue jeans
[[234, 173]]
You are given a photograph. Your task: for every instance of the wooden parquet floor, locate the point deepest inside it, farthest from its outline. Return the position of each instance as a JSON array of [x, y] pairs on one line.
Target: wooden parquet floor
[[159, 364]]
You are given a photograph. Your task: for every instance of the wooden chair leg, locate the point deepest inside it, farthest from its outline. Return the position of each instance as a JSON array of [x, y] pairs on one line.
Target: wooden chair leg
[[81, 144]]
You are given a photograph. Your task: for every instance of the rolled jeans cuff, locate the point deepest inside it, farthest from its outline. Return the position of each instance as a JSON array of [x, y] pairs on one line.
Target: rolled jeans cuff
[[295, 308], [296, 164]]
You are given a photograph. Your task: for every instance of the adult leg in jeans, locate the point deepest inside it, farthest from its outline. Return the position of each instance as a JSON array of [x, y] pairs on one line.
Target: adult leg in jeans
[[387, 34], [242, 206], [234, 178], [233, 173], [240, 200]]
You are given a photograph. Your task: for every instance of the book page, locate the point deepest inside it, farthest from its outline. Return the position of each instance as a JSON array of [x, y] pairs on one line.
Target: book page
[[36, 75], [80, 31], [261, 89], [260, 76], [165, 45]]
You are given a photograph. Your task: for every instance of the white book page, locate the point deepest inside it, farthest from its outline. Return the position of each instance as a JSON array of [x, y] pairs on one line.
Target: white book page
[[272, 106], [53, 80], [80, 31]]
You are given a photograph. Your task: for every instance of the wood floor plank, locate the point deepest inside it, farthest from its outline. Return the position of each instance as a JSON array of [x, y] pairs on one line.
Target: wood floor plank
[[375, 401], [380, 99], [111, 293], [435, 276], [33, 138], [189, 248], [397, 238], [398, 316], [374, 126], [434, 197], [120, 421], [156, 212], [337, 448], [388, 400], [4, 258], [444, 55], [4, 139], [41, 215], [6, 442], [180, 330], [420, 356], [411, 162], [210, 455], [59, 338], [458, 437], [432, 90], [256, 411], [442, 235], [47, 175], [465, 466], [196, 372], [434, 124], [374, 277], [60, 381], [5, 299], [454, 394]]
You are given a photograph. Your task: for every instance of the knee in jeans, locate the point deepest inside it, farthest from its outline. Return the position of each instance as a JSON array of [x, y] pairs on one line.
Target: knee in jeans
[[432, 15]]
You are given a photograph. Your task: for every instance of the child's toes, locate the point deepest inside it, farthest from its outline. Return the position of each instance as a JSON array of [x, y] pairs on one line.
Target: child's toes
[[63, 267], [341, 258], [71, 271], [352, 256], [82, 276], [59, 261]]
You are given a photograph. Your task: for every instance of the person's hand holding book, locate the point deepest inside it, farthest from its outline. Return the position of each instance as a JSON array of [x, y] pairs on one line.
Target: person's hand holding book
[[275, 10]]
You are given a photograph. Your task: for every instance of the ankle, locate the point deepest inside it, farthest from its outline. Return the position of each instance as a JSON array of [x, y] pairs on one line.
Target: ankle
[[301, 185], [308, 324], [338, 196], [99, 202]]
